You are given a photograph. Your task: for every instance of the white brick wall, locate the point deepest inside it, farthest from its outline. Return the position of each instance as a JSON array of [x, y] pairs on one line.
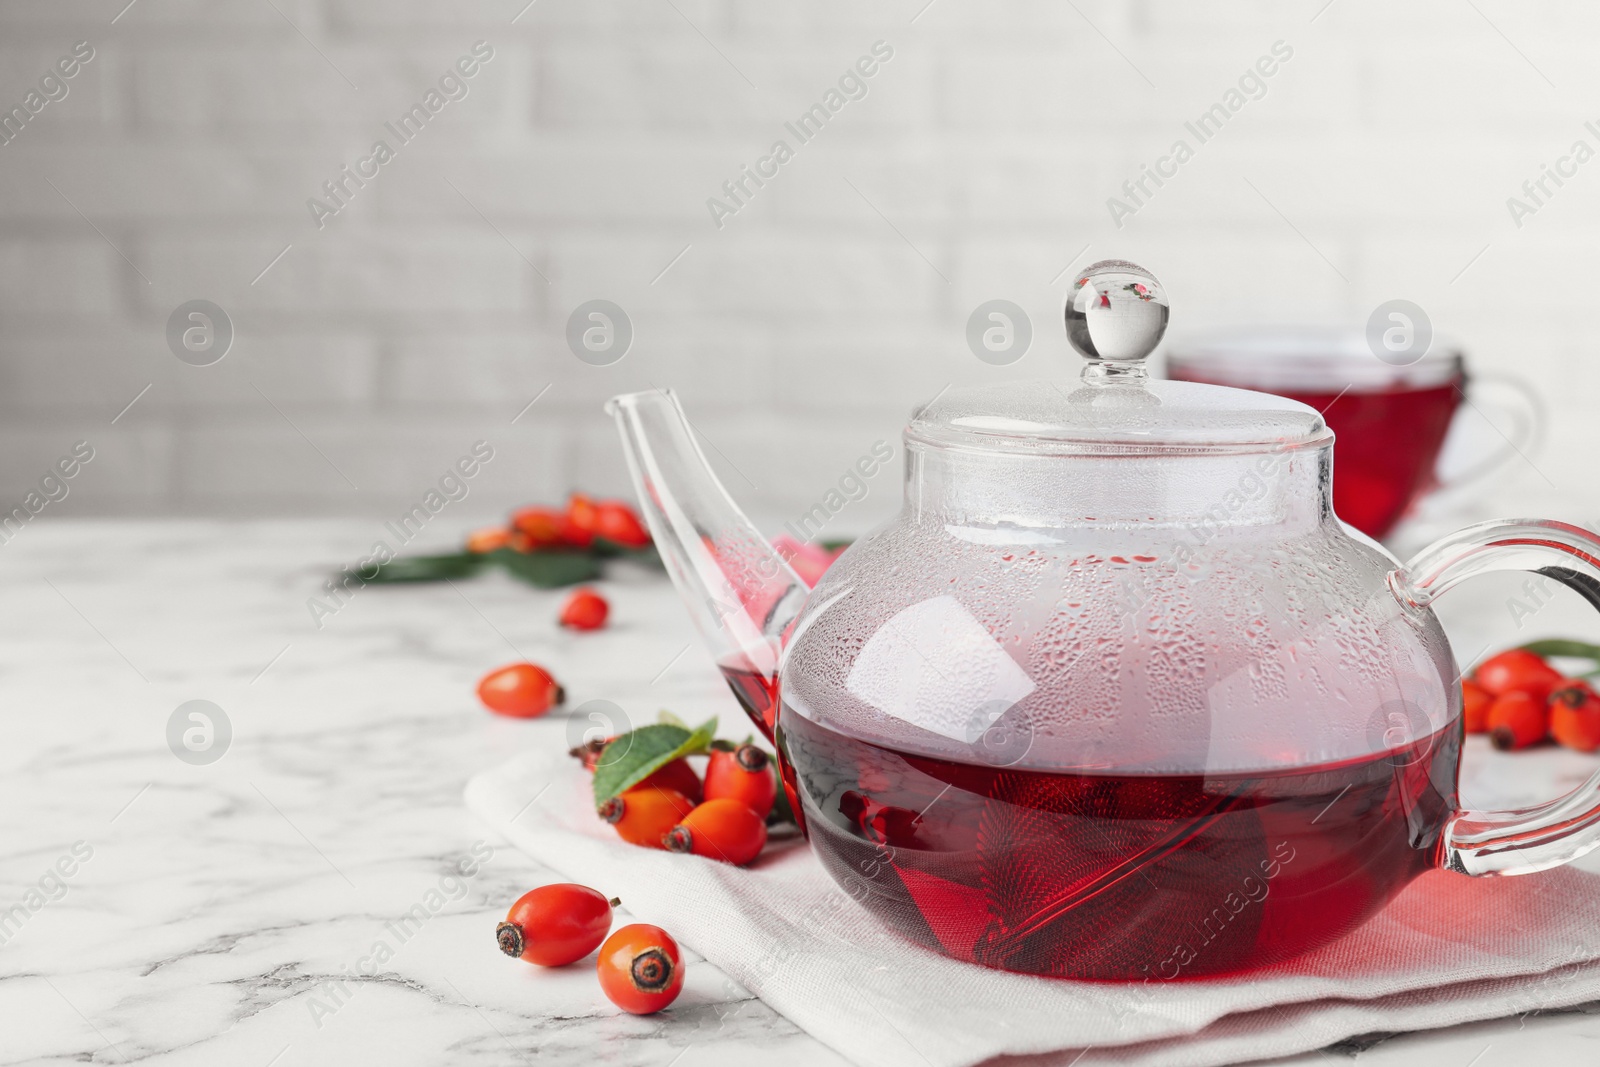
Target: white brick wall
[[809, 324]]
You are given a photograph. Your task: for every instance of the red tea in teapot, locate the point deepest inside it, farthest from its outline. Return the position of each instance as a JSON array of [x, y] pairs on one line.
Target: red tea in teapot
[[1119, 876], [1043, 695]]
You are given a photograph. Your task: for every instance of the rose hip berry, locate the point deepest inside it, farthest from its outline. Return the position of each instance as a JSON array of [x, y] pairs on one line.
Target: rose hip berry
[[1517, 719], [616, 522], [1475, 701], [1575, 716], [541, 527], [520, 690], [555, 924], [585, 610], [642, 816], [745, 775], [1517, 670], [640, 969], [678, 776], [721, 830], [579, 522], [488, 539], [589, 751]]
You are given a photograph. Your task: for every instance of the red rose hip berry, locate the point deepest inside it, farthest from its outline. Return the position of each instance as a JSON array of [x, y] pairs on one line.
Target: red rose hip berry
[[1575, 716], [745, 775], [1475, 701], [1517, 670], [585, 610], [555, 924], [677, 776], [721, 830], [520, 690], [589, 752], [640, 969], [579, 521], [1517, 719], [616, 522]]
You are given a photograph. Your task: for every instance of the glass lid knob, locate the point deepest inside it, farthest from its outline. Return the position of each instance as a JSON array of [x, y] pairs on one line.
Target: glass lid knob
[[1116, 315]]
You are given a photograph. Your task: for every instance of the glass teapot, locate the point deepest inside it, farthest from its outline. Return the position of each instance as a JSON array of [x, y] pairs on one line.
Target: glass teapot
[[1116, 695]]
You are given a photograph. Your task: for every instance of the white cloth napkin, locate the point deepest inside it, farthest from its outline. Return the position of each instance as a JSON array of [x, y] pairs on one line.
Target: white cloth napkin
[[1449, 949]]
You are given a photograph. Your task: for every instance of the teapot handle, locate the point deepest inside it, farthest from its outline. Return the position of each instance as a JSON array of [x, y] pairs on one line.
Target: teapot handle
[[1527, 839]]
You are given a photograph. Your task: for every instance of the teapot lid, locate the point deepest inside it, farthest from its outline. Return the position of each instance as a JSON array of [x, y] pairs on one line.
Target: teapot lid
[[1115, 316]]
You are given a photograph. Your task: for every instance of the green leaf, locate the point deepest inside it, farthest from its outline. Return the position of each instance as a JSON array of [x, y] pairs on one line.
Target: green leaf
[[699, 742], [607, 549], [637, 754], [548, 569], [671, 719], [1560, 647], [604, 549], [429, 568], [646, 556], [632, 757]]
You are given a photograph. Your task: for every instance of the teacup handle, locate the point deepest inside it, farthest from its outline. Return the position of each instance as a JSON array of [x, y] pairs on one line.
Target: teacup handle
[[1527, 421], [1528, 839]]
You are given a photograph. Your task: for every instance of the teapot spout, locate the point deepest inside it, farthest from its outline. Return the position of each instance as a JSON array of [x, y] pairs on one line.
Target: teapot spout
[[742, 595]]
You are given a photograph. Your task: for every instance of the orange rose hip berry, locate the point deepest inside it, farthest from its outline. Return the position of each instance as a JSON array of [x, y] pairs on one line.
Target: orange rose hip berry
[[640, 969], [722, 829], [644, 814]]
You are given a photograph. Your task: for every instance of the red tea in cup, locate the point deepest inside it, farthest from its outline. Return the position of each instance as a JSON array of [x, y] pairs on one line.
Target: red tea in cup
[[1389, 421]]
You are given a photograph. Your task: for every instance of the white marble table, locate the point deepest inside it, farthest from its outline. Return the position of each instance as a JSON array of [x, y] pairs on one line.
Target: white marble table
[[224, 910]]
